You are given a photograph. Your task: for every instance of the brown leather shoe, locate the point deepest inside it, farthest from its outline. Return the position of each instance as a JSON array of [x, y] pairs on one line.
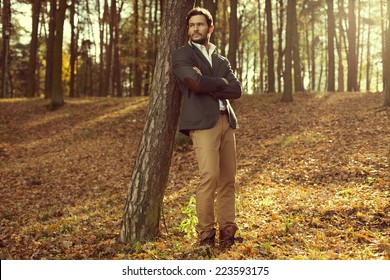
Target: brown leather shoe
[[226, 237], [209, 240]]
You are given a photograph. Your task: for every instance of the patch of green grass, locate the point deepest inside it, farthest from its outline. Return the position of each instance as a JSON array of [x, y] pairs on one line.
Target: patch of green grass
[[188, 224]]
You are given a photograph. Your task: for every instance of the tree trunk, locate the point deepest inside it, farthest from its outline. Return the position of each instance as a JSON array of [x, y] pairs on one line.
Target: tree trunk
[[32, 65], [340, 79], [331, 58], [387, 57], [261, 47], [211, 6], [117, 81], [383, 32], [137, 47], [352, 55], [73, 50], [233, 35], [108, 77], [142, 212], [57, 95], [270, 47], [279, 69], [6, 32], [101, 48], [359, 39], [288, 87], [314, 42], [224, 22], [298, 83], [368, 71], [49, 49]]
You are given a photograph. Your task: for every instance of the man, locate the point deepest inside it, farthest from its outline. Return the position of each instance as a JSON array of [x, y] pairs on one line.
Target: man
[[206, 81]]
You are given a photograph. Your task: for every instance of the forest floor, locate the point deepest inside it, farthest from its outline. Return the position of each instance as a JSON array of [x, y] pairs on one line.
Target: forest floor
[[313, 180]]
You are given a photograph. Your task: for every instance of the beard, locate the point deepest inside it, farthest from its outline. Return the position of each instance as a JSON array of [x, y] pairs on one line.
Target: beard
[[200, 40]]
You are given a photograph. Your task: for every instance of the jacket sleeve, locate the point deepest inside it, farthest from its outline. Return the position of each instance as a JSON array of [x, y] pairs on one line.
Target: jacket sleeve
[[231, 91], [182, 65]]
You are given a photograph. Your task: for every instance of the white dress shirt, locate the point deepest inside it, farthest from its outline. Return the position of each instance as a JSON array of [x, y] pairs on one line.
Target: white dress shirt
[[207, 55]]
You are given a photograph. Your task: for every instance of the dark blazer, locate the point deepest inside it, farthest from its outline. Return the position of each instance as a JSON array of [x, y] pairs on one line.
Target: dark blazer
[[200, 106]]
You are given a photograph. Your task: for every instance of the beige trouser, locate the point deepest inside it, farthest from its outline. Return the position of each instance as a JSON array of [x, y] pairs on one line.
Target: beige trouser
[[215, 150]]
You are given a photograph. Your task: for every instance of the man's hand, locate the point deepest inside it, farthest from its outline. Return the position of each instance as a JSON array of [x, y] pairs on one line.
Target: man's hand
[[197, 70]]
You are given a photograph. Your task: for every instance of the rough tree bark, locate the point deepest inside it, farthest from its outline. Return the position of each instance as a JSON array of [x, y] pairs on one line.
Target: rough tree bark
[[73, 49], [331, 36], [270, 47], [288, 87], [142, 212], [57, 94], [279, 68], [32, 65], [387, 59], [212, 6], [49, 49], [233, 35], [298, 82], [6, 32], [339, 43], [352, 54]]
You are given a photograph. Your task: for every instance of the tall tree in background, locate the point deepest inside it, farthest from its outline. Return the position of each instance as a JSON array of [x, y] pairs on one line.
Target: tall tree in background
[[314, 42], [137, 65], [331, 36], [368, 56], [352, 84], [6, 33], [270, 47], [224, 31], [383, 32], [142, 212], [49, 49], [387, 59], [340, 44], [233, 35], [298, 82], [101, 86], [32, 65], [288, 85], [212, 6], [260, 47], [116, 71], [73, 49], [108, 76], [57, 95], [279, 68]]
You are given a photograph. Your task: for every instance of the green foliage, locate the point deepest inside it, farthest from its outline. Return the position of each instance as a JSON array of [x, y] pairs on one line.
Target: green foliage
[[288, 140], [370, 180], [187, 226]]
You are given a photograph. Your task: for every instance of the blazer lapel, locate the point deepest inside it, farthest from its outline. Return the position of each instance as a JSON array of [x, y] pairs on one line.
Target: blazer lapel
[[201, 56]]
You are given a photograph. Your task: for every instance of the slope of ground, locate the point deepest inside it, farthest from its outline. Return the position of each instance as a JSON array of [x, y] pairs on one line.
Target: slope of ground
[[313, 180]]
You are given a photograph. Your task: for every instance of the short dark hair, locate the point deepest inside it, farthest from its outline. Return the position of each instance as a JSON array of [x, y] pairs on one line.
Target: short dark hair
[[200, 11]]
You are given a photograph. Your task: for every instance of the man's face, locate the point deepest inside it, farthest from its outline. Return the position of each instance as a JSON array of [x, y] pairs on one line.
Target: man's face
[[198, 30]]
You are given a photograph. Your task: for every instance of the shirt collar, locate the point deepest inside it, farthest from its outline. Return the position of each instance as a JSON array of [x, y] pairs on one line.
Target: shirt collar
[[203, 48]]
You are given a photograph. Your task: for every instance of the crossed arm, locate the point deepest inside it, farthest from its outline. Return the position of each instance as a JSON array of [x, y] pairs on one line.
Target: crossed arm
[[197, 70], [226, 86]]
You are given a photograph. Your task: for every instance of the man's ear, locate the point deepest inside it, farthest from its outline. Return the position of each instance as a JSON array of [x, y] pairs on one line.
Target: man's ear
[[211, 29]]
